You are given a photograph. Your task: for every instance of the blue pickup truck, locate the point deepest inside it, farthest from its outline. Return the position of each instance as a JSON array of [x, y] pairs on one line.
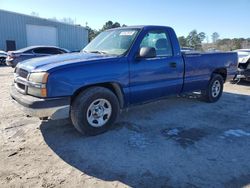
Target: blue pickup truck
[[121, 67]]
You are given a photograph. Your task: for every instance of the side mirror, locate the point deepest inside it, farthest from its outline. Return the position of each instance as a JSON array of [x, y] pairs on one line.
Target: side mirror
[[146, 52]]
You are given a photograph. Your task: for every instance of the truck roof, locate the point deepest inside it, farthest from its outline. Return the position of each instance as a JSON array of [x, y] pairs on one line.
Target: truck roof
[[143, 27], [37, 46]]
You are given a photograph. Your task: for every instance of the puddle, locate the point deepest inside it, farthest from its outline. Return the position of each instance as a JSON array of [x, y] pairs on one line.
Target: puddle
[[136, 136], [184, 137], [138, 140], [235, 133]]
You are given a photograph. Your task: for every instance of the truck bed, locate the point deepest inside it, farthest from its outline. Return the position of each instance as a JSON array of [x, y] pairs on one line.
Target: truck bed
[[200, 65]]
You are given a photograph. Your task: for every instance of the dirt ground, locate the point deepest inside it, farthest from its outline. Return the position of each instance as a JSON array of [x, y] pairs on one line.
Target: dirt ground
[[178, 142]]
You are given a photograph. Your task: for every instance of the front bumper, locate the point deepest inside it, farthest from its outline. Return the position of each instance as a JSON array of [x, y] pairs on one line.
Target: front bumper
[[53, 108], [11, 62], [2, 60]]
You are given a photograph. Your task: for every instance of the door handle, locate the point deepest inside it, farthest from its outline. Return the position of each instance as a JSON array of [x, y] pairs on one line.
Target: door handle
[[173, 64]]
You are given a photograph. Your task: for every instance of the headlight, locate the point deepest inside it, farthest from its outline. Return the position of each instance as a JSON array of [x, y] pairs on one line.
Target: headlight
[[37, 84], [244, 60], [39, 77]]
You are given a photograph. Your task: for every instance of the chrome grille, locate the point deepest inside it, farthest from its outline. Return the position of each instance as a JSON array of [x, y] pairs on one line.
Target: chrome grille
[[22, 73], [20, 80], [21, 86]]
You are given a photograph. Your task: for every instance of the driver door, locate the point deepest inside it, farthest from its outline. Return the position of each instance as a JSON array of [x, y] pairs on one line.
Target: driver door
[[152, 78]]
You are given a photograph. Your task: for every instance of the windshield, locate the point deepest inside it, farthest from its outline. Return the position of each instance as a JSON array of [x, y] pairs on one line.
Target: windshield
[[242, 55], [244, 50], [112, 42]]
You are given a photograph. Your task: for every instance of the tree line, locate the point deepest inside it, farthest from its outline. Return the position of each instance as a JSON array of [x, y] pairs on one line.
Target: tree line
[[195, 40], [228, 44], [200, 41]]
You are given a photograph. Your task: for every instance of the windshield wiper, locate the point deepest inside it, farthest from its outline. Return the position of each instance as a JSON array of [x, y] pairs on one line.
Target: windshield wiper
[[97, 52]]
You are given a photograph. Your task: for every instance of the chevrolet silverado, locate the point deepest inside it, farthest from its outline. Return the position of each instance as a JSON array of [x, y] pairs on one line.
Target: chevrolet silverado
[[120, 68]]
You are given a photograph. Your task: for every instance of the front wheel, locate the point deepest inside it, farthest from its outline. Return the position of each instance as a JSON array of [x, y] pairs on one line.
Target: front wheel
[[94, 110], [214, 89]]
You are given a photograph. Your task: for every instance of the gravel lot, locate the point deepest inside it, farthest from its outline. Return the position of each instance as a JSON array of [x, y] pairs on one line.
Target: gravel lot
[[179, 142]]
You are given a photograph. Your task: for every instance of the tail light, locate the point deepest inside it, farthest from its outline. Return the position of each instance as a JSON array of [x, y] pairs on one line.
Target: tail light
[[13, 55]]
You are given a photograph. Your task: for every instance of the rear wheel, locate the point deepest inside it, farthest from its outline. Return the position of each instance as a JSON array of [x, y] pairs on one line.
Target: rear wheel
[[94, 110], [214, 89]]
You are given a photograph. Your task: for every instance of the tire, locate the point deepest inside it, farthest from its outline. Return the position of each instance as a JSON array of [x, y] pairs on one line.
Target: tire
[[214, 90], [2, 61], [94, 110]]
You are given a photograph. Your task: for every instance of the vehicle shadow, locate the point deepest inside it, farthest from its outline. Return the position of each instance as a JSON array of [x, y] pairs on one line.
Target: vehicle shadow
[[244, 83], [3, 66], [136, 153]]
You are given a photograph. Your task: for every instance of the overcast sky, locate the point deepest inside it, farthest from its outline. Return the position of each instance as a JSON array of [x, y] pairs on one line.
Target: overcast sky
[[230, 18]]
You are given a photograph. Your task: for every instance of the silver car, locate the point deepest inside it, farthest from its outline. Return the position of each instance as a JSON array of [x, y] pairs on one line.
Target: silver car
[[244, 63]]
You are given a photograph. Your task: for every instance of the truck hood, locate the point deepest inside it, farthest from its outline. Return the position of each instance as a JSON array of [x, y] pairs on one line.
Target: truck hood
[[50, 62]]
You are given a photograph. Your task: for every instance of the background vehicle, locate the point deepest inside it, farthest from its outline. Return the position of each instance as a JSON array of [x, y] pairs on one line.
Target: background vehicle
[[119, 68], [3, 56], [244, 64], [187, 49], [15, 57]]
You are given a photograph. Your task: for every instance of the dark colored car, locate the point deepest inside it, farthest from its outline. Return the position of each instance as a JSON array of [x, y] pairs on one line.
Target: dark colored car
[[187, 49], [3, 56], [14, 57]]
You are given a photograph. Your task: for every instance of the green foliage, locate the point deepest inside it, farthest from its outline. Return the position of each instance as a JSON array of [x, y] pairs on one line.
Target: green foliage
[[108, 25], [92, 33], [182, 41], [193, 40], [231, 44]]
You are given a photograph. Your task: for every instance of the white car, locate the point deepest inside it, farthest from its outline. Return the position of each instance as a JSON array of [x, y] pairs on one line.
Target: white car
[[244, 63], [3, 56], [243, 55]]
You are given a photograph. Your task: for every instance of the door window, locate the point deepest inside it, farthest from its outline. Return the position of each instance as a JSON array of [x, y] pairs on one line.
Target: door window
[[158, 40], [54, 51], [41, 50], [47, 51]]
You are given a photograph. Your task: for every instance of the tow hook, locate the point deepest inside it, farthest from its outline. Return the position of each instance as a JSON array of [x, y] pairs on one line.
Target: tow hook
[[44, 118]]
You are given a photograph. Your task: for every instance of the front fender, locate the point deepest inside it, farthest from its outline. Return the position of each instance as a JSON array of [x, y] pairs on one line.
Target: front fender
[[65, 82]]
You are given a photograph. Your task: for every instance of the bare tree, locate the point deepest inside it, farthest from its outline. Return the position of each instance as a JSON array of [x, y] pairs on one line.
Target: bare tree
[[34, 14], [67, 20], [215, 36]]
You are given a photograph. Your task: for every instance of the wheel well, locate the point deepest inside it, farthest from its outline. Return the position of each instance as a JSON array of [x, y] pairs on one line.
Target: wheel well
[[114, 87], [222, 72]]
